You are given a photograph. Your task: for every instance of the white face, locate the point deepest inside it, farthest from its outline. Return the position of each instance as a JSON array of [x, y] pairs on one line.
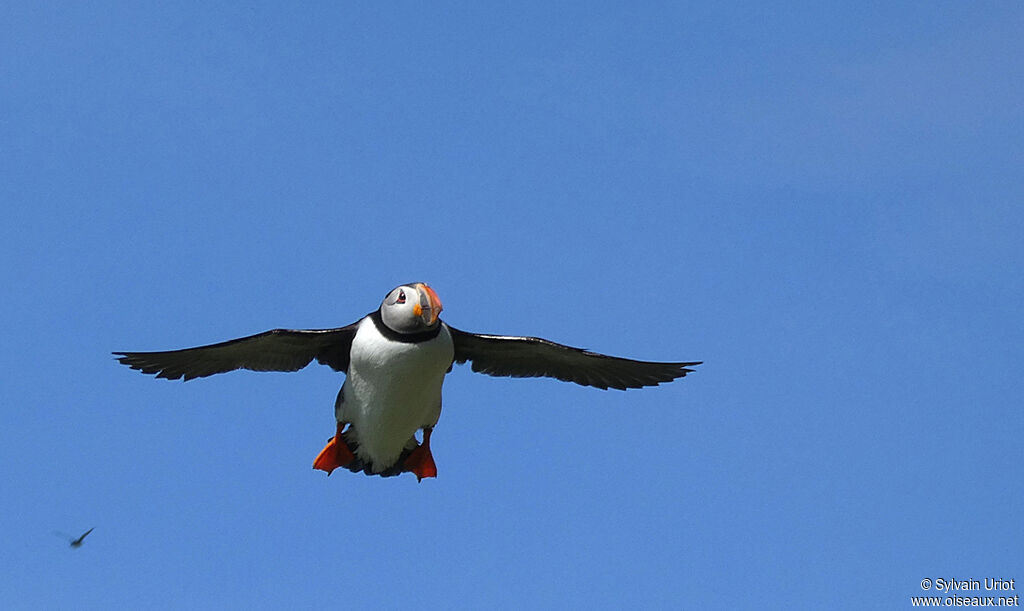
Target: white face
[[411, 308]]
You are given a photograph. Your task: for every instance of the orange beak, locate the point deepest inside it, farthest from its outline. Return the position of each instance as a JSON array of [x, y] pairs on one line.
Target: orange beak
[[429, 306]]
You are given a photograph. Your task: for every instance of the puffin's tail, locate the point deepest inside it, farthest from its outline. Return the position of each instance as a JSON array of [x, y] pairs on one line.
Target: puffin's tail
[[358, 465]]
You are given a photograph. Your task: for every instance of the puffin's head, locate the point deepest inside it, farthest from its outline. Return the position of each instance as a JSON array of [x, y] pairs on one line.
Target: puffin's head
[[410, 308]]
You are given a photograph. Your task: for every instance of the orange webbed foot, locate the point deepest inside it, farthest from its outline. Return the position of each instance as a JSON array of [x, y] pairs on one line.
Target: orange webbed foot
[[335, 454], [420, 461]]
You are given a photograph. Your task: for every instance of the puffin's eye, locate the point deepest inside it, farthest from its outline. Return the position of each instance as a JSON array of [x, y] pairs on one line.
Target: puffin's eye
[[401, 296]]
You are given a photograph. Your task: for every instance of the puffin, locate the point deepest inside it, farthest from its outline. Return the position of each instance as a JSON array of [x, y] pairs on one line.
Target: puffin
[[395, 360], [74, 542]]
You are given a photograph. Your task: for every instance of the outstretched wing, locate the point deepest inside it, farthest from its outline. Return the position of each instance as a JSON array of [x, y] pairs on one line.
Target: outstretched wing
[[531, 357], [276, 350]]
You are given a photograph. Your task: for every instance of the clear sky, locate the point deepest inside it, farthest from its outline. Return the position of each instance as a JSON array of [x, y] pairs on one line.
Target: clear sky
[[822, 202]]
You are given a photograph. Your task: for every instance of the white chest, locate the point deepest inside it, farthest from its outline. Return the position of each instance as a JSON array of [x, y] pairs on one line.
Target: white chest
[[392, 389]]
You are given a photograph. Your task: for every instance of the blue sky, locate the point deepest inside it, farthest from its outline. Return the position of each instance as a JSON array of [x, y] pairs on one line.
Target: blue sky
[[823, 203]]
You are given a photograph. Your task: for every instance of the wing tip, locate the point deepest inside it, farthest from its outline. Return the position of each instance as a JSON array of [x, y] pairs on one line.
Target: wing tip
[[134, 360]]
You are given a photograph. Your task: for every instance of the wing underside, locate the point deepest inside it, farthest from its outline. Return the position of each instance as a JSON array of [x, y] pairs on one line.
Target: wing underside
[[527, 357], [275, 350]]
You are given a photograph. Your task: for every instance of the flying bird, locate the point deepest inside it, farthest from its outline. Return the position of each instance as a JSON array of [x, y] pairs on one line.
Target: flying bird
[[74, 542], [395, 360]]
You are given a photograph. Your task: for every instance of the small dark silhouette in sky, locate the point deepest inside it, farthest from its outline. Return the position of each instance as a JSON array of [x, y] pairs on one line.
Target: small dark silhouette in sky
[[75, 542]]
